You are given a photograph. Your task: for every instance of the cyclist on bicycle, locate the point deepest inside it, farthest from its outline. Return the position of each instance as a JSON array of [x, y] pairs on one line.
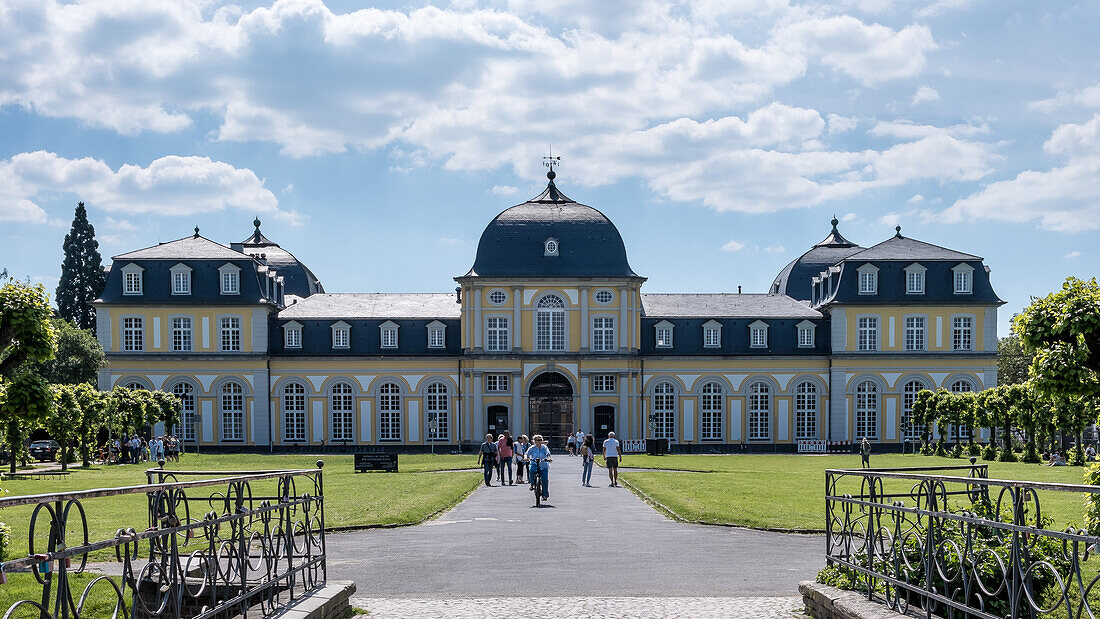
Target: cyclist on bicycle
[[539, 451]]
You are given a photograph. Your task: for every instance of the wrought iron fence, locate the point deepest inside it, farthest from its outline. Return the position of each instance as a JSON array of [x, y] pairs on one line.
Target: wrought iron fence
[[960, 545], [216, 544]]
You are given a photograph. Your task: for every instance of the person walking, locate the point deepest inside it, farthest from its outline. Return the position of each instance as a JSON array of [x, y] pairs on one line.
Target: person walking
[[571, 444], [540, 451], [519, 448], [865, 453], [612, 455], [504, 457], [588, 454], [487, 457], [580, 439]]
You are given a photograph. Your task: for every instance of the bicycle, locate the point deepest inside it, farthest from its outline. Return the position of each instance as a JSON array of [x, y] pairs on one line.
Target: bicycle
[[537, 479]]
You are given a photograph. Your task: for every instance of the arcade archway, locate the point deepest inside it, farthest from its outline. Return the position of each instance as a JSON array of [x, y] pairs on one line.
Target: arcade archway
[[551, 408]]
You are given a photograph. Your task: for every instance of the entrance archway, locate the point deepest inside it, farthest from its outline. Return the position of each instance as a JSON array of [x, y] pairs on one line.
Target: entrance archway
[[498, 419], [551, 408], [604, 416]]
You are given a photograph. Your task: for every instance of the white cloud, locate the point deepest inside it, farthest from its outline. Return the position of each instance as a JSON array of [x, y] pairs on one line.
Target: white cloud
[[775, 249], [1065, 198], [1073, 254], [170, 185], [1088, 97], [916, 199], [504, 190], [841, 124], [733, 245], [925, 94], [847, 217]]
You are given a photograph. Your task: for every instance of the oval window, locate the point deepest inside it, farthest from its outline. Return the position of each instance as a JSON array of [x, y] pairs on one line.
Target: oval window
[[603, 296], [497, 297]]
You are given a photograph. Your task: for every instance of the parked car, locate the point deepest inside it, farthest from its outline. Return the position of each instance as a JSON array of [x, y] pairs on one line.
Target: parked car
[[44, 450]]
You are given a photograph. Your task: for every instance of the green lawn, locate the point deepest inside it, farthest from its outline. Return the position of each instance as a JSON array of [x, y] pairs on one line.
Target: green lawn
[[351, 500], [787, 491]]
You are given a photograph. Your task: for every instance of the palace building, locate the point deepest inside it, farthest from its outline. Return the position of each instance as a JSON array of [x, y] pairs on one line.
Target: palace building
[[548, 332]]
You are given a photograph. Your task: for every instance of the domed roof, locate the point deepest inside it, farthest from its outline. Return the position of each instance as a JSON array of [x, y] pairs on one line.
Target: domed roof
[[298, 280], [586, 243], [795, 280]]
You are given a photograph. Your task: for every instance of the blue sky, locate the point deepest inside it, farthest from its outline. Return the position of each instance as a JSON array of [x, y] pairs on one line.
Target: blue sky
[[719, 135]]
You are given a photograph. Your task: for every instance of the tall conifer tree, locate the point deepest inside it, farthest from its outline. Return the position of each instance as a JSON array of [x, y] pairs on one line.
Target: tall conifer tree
[[82, 275]]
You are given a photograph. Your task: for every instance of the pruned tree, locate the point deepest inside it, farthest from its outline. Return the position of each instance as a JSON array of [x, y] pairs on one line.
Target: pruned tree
[[924, 416], [27, 401], [93, 409], [64, 420], [1062, 330], [82, 274]]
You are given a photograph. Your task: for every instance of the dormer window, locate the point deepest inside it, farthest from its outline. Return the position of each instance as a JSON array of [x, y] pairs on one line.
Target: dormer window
[[664, 334], [131, 279], [712, 334], [341, 335], [230, 275], [292, 334], [550, 247], [868, 279], [758, 334], [964, 278], [388, 332], [914, 279], [436, 334], [806, 334], [181, 279]]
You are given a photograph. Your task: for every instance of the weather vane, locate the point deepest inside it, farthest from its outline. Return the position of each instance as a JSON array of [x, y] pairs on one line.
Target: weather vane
[[551, 161]]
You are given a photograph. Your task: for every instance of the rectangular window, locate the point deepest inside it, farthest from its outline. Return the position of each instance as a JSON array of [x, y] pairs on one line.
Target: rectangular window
[[181, 282], [962, 333], [435, 338], [805, 411], [759, 413], [341, 338], [550, 329], [294, 415], [710, 412], [962, 282], [711, 337], [496, 382], [603, 383], [389, 338], [230, 328], [805, 337], [914, 282], [343, 412], [232, 413], [868, 333], [133, 334], [132, 282], [293, 338], [496, 334], [389, 414], [664, 337], [868, 282], [603, 334], [182, 340], [231, 282], [758, 337], [914, 333]]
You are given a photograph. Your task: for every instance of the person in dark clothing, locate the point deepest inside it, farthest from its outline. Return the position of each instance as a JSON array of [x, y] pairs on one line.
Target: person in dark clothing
[[865, 453], [487, 457]]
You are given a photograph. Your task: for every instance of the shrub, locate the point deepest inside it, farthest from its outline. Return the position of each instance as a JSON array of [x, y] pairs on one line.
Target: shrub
[[1007, 455], [956, 451], [5, 541], [1031, 454], [990, 452]]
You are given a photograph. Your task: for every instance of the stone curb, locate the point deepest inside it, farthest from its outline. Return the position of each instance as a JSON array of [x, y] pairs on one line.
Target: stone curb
[[827, 602], [329, 602]]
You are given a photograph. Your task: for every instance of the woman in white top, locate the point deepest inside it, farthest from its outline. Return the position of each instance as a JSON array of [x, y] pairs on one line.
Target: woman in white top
[[519, 448]]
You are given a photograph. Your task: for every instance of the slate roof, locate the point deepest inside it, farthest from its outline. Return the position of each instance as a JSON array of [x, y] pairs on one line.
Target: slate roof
[[903, 248], [193, 247], [512, 245], [725, 306], [795, 278], [297, 278], [374, 305]]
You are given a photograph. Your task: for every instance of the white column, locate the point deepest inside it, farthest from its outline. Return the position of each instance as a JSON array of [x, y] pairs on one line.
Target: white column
[[478, 411], [517, 404], [622, 412], [364, 421], [624, 343], [584, 318], [517, 318], [156, 332], [318, 421], [584, 418], [476, 291]]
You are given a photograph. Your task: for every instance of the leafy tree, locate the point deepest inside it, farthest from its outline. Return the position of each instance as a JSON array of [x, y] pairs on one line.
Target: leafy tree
[[93, 416], [27, 400], [998, 415], [1063, 331], [943, 415], [924, 415], [1012, 360], [77, 357], [64, 420], [26, 334], [82, 274], [1072, 415], [1022, 402]]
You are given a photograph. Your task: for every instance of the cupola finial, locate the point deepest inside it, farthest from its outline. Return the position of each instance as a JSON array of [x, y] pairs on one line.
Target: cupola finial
[[897, 231], [196, 232], [550, 162], [835, 222], [256, 222]]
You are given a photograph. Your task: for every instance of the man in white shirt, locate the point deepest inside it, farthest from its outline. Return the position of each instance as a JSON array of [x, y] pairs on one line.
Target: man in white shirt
[[612, 454], [580, 440]]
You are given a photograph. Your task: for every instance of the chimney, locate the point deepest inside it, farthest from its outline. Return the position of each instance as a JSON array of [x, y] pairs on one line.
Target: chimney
[[458, 294], [738, 290]]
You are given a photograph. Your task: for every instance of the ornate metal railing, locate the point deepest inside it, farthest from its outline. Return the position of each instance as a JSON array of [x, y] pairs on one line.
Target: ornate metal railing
[[238, 544], [960, 545]]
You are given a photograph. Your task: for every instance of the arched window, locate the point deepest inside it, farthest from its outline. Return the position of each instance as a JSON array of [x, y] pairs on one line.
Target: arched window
[[866, 410], [760, 411], [550, 323], [909, 391], [664, 411], [805, 411], [186, 393], [961, 433], [389, 412], [232, 401], [342, 405], [437, 406], [134, 385], [294, 412], [710, 407]]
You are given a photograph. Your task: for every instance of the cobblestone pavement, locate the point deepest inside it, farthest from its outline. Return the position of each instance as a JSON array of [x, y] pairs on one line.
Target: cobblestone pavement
[[612, 607]]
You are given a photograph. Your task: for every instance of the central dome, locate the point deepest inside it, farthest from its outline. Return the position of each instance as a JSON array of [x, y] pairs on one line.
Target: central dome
[[517, 243]]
